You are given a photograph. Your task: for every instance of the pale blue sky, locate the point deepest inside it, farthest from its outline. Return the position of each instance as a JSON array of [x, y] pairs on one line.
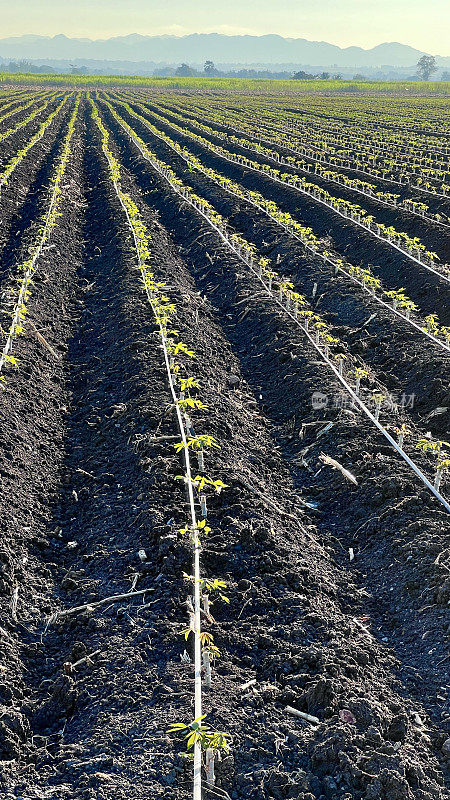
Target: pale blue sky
[[424, 24]]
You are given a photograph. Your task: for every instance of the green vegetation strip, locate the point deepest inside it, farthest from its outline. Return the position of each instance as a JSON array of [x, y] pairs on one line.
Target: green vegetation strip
[[18, 157], [396, 300], [205, 742], [285, 296], [28, 267]]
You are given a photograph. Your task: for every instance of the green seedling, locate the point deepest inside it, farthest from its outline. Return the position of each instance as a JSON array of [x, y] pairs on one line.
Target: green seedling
[[430, 446], [200, 529], [201, 482], [445, 333], [197, 732], [359, 373], [402, 432], [191, 402], [186, 632], [189, 383], [180, 347], [432, 321], [442, 467], [378, 399], [208, 585], [197, 443], [208, 646], [340, 358]]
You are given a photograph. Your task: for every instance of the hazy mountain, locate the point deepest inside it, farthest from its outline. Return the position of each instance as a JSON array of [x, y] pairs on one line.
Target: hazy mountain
[[198, 47]]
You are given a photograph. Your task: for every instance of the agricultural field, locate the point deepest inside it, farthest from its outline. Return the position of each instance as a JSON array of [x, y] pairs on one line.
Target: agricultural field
[[225, 443]]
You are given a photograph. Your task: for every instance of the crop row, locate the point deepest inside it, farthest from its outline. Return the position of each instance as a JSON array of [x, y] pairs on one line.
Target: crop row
[[11, 99], [19, 99], [26, 103], [36, 137], [20, 105], [397, 118], [29, 118], [321, 169], [407, 149], [275, 120], [394, 300], [27, 269], [9, 96], [416, 172], [398, 115], [320, 159], [357, 126], [294, 304], [412, 248], [401, 115], [385, 168], [184, 390]]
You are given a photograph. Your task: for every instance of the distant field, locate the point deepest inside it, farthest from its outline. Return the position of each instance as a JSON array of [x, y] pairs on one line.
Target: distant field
[[232, 84], [224, 441]]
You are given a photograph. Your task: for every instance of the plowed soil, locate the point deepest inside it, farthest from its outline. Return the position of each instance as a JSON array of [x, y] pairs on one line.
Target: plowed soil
[[87, 478]]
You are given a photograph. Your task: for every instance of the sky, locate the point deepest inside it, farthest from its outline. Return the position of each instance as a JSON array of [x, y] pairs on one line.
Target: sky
[[424, 24]]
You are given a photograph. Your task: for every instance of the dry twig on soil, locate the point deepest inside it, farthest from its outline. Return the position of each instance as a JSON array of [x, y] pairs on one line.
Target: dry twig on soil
[[114, 598]]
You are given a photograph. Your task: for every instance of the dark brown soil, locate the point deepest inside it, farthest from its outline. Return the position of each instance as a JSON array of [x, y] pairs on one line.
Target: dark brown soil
[[385, 343], [436, 204], [426, 289], [414, 225], [25, 190], [87, 476]]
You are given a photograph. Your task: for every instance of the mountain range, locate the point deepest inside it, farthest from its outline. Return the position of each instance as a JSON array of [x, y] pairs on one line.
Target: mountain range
[[197, 47]]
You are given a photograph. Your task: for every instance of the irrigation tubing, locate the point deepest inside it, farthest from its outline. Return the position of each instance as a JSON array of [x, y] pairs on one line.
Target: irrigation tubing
[[356, 399], [308, 172], [195, 540], [326, 259], [235, 160]]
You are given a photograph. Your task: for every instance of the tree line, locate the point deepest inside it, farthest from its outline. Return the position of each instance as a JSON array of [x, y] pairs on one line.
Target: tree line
[[425, 68]]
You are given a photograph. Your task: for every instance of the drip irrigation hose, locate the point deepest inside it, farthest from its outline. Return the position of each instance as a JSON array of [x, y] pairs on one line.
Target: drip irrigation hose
[[315, 252], [197, 789], [26, 280], [241, 133], [340, 378]]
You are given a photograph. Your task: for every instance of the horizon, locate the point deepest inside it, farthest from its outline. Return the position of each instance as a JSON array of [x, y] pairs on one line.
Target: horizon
[[199, 33], [342, 23], [210, 33]]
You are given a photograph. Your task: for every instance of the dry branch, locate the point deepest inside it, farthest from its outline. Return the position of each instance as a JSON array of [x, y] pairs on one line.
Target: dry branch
[[114, 598], [336, 465], [302, 715], [69, 667], [44, 341]]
